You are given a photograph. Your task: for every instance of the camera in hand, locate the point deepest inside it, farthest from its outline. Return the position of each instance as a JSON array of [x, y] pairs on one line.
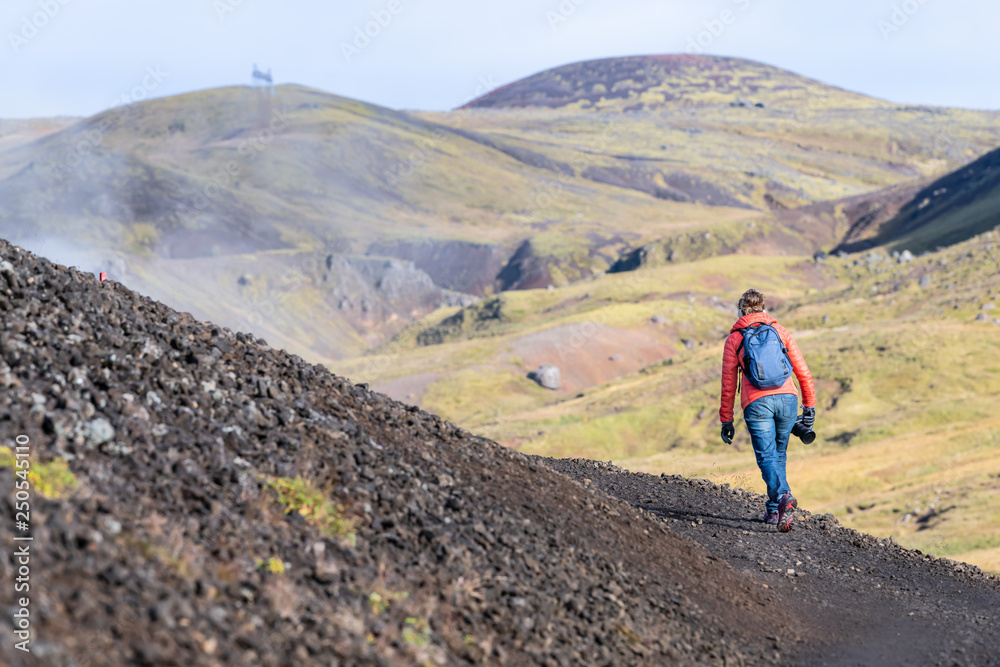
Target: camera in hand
[[803, 433]]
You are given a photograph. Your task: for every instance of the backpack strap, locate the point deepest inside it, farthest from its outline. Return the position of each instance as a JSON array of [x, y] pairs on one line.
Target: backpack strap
[[756, 325], [740, 371], [739, 348]]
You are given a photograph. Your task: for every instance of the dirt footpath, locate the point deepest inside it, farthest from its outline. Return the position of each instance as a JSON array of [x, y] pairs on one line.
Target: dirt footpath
[[873, 602]]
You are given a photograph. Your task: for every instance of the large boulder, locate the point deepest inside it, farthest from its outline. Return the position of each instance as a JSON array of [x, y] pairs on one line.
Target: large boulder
[[547, 376]]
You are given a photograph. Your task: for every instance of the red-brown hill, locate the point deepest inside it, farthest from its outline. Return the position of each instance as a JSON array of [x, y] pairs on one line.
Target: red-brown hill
[[654, 81]]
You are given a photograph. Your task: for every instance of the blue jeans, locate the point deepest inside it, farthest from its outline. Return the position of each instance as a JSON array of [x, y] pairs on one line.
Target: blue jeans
[[769, 420]]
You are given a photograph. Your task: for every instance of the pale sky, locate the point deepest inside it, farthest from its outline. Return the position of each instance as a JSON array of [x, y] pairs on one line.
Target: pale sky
[[77, 57]]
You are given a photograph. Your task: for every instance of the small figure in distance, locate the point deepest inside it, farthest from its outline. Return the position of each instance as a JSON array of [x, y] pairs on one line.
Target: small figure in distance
[[766, 355]]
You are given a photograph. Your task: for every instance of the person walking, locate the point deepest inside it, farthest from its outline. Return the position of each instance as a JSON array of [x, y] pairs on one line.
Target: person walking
[[766, 355]]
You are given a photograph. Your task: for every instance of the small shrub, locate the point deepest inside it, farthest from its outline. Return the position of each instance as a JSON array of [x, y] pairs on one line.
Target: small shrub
[[298, 495], [382, 599], [631, 637], [49, 480], [272, 565], [416, 632]]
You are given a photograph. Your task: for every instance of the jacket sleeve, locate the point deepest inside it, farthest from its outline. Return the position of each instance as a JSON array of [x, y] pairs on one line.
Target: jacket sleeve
[[729, 376], [801, 372]]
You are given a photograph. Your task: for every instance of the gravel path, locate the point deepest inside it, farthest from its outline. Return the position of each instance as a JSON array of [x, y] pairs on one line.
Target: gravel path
[[870, 601]]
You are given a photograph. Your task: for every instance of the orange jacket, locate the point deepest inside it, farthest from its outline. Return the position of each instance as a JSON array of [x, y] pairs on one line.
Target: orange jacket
[[750, 393]]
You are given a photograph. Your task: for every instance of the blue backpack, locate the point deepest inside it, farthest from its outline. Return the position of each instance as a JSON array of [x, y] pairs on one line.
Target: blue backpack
[[766, 363]]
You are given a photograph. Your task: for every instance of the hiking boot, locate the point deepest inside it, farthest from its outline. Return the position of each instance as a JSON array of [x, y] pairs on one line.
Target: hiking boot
[[771, 518], [786, 507]]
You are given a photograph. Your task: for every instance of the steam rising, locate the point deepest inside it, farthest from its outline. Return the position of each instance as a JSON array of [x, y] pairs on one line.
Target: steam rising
[[62, 251]]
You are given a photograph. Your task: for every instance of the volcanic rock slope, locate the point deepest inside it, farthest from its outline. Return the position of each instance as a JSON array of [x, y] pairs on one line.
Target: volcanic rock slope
[[409, 541], [199, 498]]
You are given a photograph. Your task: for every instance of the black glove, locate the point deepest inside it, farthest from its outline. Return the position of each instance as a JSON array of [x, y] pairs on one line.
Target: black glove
[[728, 431], [808, 417]]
